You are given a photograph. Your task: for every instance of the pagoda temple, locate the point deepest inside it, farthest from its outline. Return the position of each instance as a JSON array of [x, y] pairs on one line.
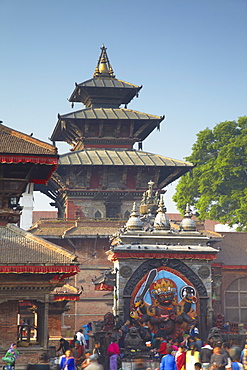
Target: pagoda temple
[[103, 174]]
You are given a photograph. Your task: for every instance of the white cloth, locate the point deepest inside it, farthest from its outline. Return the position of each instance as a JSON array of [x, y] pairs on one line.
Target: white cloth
[[80, 337]]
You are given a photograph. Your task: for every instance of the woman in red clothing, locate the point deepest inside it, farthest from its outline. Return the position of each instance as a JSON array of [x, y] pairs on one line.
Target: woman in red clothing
[[180, 358], [163, 346]]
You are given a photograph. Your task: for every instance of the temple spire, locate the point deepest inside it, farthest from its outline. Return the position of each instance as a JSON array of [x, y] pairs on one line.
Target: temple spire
[[103, 67]]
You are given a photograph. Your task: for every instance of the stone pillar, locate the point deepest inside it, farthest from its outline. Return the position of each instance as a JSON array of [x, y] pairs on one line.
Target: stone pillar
[[45, 322], [203, 318]]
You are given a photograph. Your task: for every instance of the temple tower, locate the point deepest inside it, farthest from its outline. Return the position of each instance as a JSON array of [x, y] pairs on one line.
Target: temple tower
[[103, 174]]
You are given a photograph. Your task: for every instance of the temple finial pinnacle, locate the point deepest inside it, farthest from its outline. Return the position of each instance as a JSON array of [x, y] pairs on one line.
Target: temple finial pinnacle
[[103, 68]]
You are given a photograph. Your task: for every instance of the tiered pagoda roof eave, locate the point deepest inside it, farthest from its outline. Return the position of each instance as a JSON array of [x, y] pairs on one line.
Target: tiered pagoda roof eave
[[172, 168], [70, 123], [109, 113], [124, 91], [112, 157]]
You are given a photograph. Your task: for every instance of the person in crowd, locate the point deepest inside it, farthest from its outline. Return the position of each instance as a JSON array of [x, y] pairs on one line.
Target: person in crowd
[[80, 338], [67, 361], [113, 353], [168, 361], [197, 366], [236, 365], [174, 345], [235, 350], [87, 360], [87, 329], [192, 356], [94, 365], [244, 357], [163, 347], [219, 359], [225, 349], [124, 330], [97, 351], [180, 358], [72, 341], [108, 339], [205, 356], [227, 327], [10, 357], [193, 331], [198, 342], [64, 346], [78, 353], [43, 363]]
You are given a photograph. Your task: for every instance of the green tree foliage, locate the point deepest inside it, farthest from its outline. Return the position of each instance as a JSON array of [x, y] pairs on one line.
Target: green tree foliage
[[217, 187]]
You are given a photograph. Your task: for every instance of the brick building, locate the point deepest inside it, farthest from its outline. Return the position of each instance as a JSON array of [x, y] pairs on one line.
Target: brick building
[[30, 267]]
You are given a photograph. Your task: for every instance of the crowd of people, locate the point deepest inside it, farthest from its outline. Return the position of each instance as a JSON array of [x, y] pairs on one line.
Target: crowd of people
[[211, 356], [76, 354], [189, 354]]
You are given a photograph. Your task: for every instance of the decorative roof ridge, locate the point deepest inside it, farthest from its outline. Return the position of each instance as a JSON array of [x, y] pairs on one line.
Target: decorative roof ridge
[[49, 245], [29, 138], [70, 229]]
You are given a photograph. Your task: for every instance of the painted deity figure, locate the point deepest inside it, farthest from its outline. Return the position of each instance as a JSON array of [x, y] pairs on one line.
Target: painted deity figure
[[166, 317]]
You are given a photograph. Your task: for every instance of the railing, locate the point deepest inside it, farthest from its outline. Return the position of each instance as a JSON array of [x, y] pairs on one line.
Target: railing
[[27, 333]]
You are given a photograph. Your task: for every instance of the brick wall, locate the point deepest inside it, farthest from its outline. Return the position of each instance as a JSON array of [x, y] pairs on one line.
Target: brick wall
[[54, 325], [8, 322]]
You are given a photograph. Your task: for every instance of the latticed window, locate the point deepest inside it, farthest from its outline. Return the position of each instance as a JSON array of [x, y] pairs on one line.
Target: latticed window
[[236, 301]]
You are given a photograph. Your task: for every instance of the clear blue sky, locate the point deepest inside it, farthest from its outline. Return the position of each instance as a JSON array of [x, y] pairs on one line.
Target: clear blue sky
[[189, 55]]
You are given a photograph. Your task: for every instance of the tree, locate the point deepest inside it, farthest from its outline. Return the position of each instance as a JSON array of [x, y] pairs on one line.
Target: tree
[[217, 186]]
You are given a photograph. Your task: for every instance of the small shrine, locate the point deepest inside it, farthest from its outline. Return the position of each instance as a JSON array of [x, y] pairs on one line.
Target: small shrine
[[162, 273]]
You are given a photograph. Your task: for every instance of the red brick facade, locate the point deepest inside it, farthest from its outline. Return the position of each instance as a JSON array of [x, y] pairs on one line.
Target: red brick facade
[[8, 322]]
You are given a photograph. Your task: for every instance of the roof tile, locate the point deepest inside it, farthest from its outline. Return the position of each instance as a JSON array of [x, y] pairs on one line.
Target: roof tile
[[15, 142]]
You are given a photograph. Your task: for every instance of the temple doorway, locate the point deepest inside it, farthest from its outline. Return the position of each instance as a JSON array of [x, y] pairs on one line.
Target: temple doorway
[[28, 322]]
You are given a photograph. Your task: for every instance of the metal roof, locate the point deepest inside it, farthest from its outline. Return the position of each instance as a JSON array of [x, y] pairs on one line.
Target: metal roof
[[108, 82], [109, 113], [112, 157]]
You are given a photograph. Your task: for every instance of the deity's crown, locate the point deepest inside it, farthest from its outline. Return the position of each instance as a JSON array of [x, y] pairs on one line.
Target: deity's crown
[[163, 285]]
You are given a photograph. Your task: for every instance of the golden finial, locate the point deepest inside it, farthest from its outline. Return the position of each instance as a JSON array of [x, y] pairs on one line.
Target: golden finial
[[103, 67]]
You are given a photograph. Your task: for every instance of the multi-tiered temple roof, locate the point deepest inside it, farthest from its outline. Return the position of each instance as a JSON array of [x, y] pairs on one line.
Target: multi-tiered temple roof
[[104, 123], [102, 160]]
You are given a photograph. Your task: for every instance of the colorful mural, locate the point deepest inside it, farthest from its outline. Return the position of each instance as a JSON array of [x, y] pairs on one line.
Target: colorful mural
[[166, 302]]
